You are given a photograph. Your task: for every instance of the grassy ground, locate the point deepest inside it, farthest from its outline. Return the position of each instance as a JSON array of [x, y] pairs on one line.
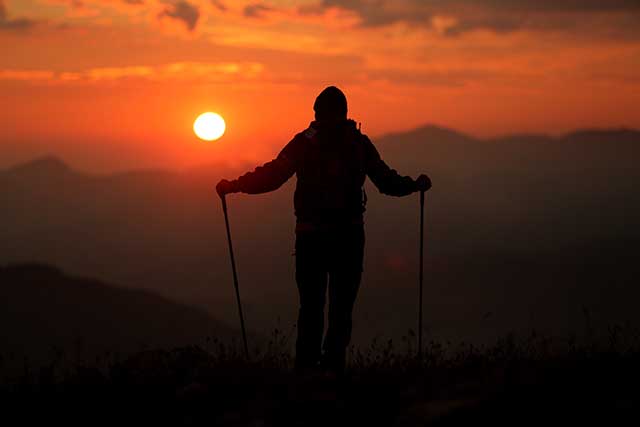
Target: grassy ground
[[529, 381]]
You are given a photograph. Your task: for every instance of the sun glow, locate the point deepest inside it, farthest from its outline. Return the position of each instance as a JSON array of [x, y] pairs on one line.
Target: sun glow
[[209, 126]]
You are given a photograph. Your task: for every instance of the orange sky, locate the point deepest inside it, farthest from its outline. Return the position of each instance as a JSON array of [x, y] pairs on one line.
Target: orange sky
[[114, 84]]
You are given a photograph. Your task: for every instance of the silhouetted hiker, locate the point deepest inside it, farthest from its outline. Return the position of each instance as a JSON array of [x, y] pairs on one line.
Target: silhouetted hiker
[[331, 159]]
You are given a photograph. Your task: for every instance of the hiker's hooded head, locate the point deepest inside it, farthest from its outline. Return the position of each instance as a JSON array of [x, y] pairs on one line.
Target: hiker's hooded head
[[331, 105]]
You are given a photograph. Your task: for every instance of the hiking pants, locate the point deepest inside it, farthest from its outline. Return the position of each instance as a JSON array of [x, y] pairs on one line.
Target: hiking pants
[[329, 258]]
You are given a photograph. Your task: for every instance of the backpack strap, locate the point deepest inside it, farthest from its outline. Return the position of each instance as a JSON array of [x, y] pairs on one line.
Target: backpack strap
[[357, 139], [310, 132]]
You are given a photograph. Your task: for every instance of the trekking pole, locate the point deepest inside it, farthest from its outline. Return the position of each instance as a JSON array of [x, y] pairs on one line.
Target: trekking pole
[[421, 274], [235, 276]]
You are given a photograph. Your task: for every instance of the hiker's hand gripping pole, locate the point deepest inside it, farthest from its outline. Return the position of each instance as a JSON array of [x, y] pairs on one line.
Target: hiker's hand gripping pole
[[235, 275]]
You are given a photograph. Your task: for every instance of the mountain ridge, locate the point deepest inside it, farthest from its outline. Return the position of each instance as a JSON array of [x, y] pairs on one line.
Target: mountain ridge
[[43, 306], [51, 164]]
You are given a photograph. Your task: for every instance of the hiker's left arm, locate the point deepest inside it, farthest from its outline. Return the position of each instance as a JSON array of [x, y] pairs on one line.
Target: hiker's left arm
[[270, 176], [387, 180]]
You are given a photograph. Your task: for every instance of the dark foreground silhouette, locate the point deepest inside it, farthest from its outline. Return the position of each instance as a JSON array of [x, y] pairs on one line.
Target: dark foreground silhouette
[[534, 381], [589, 378]]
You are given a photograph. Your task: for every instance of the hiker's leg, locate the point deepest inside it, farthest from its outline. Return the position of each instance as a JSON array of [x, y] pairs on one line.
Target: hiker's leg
[[311, 277], [345, 273]]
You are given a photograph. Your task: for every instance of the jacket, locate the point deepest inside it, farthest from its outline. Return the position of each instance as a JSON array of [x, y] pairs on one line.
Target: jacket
[[331, 162]]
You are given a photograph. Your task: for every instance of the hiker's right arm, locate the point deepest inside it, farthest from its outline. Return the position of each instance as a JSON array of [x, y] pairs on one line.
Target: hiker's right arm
[[387, 180], [271, 175]]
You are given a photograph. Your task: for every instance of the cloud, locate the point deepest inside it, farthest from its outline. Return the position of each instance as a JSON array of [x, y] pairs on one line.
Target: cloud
[[256, 10], [183, 11], [218, 4], [114, 73], [17, 24], [500, 16], [561, 5], [451, 77], [175, 71], [26, 75]]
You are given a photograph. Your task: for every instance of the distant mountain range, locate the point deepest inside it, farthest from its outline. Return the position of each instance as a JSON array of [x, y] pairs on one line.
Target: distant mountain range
[[510, 223], [428, 137], [443, 148], [42, 308]]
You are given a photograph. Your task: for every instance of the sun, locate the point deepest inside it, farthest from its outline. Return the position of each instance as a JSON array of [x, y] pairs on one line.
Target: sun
[[209, 126]]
